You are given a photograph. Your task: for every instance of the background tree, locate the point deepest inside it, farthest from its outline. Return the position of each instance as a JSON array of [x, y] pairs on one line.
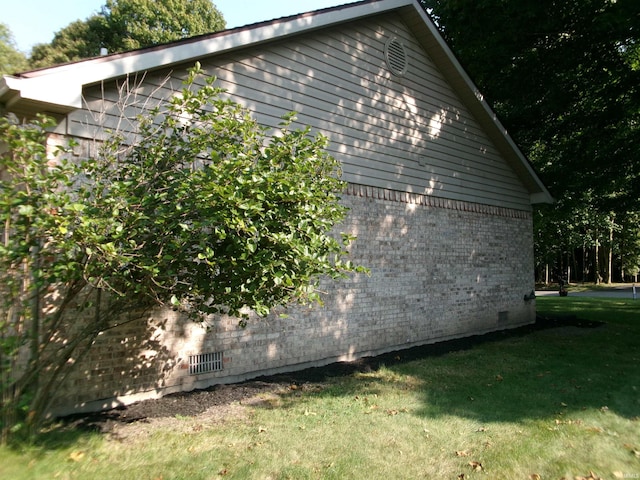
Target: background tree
[[84, 242], [139, 23], [564, 78], [12, 60], [78, 40], [129, 24], [629, 245]]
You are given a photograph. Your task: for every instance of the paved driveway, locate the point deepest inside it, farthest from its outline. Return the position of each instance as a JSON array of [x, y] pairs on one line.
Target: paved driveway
[[615, 292]]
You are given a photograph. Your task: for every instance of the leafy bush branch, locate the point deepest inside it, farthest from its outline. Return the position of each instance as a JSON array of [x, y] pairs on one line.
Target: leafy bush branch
[[200, 209]]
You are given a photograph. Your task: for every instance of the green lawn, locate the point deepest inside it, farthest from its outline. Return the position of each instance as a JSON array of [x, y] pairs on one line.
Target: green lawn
[[552, 404]]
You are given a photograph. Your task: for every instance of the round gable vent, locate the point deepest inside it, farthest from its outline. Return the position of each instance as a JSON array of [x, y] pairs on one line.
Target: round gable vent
[[396, 56]]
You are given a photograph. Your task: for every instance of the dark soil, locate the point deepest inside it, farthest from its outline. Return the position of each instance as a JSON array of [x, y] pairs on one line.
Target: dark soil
[[221, 402]]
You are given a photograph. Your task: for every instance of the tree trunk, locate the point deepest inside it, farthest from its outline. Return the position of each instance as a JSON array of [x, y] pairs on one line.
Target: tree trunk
[[610, 266], [596, 263], [34, 355], [585, 262]]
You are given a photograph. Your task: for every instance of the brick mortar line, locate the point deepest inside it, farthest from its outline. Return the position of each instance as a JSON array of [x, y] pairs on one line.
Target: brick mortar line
[[379, 193]]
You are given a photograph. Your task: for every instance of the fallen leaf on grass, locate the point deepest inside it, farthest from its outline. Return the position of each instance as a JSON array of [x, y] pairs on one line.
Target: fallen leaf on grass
[[76, 456], [392, 412], [568, 422], [477, 466], [461, 476], [261, 430], [634, 450], [595, 429], [223, 472], [592, 476], [534, 476], [462, 453]]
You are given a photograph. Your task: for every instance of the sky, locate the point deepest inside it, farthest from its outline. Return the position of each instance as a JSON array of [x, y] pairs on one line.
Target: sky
[[36, 21]]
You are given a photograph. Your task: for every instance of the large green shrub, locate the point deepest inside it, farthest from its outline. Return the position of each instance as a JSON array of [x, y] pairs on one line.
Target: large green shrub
[[198, 209]]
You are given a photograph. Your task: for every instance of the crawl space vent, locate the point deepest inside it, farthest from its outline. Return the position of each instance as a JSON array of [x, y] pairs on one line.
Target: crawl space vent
[[205, 363], [396, 56]]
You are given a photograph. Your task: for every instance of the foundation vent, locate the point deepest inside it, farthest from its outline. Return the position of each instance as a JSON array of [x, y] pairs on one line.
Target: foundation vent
[[396, 56], [205, 363]]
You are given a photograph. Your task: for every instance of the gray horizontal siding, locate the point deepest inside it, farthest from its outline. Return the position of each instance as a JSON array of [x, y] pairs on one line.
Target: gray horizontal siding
[[379, 125]]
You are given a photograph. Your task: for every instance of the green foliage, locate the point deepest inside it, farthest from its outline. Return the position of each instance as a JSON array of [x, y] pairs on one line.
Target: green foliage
[[559, 76], [11, 59], [206, 213], [139, 23], [629, 249], [35, 255], [196, 210], [76, 41], [126, 25]]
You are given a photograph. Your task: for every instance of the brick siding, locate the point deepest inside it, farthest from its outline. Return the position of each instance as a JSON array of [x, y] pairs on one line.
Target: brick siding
[[440, 269]]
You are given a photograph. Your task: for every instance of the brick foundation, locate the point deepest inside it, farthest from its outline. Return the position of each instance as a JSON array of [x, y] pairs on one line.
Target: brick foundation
[[440, 269]]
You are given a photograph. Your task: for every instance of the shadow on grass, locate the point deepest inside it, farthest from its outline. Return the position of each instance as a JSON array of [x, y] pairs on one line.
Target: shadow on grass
[[548, 374], [564, 363], [53, 437], [582, 354]]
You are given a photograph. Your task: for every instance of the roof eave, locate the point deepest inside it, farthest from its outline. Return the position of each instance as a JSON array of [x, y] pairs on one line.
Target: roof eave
[[17, 95], [62, 85], [541, 197], [59, 89], [471, 96]]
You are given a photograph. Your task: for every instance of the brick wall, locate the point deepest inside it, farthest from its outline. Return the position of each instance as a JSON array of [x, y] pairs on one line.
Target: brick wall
[[440, 269]]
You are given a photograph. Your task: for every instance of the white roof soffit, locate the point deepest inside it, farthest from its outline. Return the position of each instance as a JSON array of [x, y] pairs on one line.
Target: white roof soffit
[[59, 88]]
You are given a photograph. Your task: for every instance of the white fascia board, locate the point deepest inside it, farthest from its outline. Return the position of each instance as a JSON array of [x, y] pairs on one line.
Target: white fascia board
[[62, 85], [543, 195], [5, 87], [56, 90]]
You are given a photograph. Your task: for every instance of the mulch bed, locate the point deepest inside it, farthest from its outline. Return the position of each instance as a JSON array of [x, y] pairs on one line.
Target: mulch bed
[[216, 401]]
